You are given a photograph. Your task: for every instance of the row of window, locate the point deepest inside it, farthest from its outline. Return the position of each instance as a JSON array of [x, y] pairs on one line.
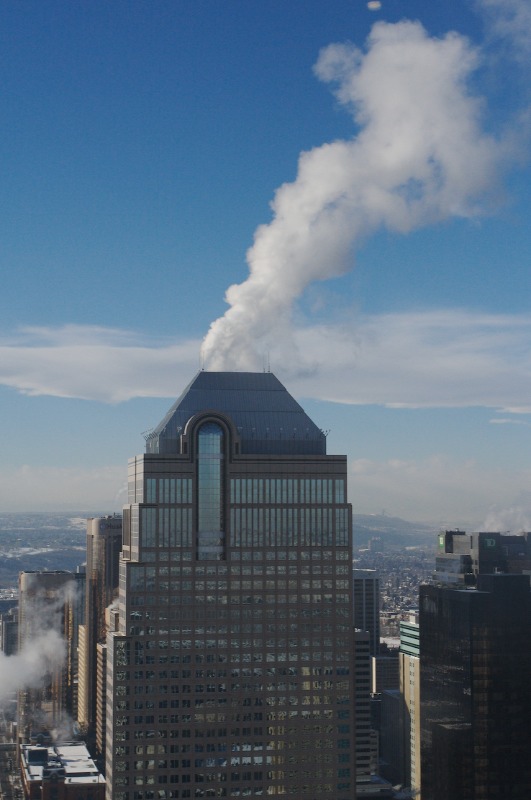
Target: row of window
[[287, 490], [310, 722], [252, 490], [316, 790], [163, 630], [146, 578], [261, 527], [197, 573], [256, 672], [294, 527], [293, 657], [221, 745], [168, 490], [179, 554]]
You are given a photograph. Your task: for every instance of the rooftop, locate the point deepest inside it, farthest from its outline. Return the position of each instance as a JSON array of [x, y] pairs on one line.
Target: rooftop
[[268, 419], [71, 762]]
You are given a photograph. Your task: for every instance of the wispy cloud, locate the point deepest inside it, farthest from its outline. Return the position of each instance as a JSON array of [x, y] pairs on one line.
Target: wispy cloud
[[95, 363], [509, 421], [439, 358], [510, 22]]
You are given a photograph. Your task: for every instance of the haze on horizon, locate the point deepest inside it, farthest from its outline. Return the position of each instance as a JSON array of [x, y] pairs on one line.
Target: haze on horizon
[[388, 290]]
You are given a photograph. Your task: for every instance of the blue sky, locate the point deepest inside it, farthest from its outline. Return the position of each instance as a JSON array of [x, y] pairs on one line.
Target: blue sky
[[369, 167]]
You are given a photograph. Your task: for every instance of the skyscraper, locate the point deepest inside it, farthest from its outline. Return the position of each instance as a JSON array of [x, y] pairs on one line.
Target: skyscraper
[[367, 605], [461, 556], [230, 672], [104, 544], [43, 602], [475, 662], [409, 661]]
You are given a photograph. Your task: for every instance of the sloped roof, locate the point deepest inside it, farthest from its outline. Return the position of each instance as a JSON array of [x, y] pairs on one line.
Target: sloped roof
[[269, 420]]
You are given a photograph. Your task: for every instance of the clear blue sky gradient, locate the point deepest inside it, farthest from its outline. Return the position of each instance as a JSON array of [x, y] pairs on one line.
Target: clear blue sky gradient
[[141, 147]]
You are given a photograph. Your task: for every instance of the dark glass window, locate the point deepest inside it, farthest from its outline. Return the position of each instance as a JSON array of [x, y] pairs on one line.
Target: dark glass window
[[210, 511]]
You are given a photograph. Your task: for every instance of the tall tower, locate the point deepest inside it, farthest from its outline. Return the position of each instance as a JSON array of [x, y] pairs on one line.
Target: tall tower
[[104, 544], [362, 689], [44, 599], [475, 662], [230, 672], [409, 670], [367, 605]]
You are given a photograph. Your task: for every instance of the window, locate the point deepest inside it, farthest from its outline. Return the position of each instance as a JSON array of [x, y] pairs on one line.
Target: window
[[210, 509]]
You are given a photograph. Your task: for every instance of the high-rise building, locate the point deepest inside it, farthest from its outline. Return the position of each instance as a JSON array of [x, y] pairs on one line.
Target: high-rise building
[[9, 632], [461, 556], [409, 669], [475, 662], [104, 544], [366, 600], [73, 622], [43, 603], [230, 674], [362, 689]]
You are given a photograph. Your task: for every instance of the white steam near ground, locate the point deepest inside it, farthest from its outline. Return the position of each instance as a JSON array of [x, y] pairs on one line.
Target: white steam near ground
[[43, 651], [42, 654], [421, 155]]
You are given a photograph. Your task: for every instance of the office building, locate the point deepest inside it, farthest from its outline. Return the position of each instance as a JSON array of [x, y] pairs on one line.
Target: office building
[[43, 604], [475, 662], [230, 674], [409, 671], [366, 589], [73, 622], [104, 544], [362, 689], [461, 556], [9, 632]]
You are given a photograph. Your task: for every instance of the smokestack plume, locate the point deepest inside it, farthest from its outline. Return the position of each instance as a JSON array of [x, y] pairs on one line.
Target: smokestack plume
[[420, 156]]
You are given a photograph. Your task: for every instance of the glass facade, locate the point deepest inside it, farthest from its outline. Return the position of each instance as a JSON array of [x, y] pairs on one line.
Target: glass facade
[[475, 701], [210, 492], [230, 674]]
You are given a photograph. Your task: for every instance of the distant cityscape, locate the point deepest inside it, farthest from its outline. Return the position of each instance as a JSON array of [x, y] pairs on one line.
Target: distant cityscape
[[47, 541], [238, 632]]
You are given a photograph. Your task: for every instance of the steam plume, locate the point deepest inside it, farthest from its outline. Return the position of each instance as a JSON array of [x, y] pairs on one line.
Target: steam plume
[[43, 650], [420, 156], [40, 656]]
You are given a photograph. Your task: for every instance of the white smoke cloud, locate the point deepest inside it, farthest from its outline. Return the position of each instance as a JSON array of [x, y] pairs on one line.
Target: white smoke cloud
[[43, 648], [421, 155], [514, 518], [41, 655]]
